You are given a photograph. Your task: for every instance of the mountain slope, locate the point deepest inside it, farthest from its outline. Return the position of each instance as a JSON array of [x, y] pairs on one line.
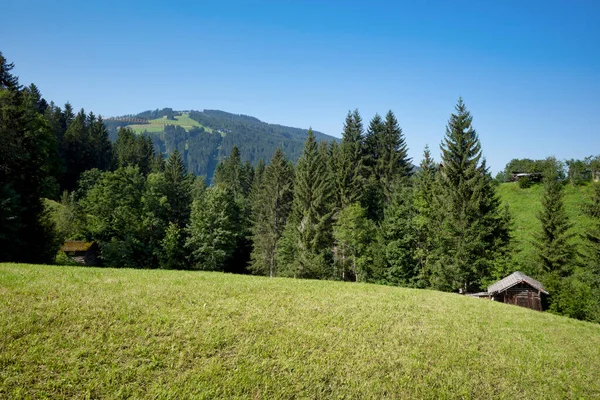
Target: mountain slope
[[206, 137], [93, 332]]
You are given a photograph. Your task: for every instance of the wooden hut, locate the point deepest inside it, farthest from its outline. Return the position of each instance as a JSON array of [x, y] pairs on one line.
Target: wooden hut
[[85, 253], [518, 289]]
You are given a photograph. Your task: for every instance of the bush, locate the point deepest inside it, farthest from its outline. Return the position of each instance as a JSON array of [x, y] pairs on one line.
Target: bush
[[525, 182]]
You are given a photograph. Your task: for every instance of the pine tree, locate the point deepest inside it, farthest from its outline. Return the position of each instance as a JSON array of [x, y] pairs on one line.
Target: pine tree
[[306, 239], [468, 212], [399, 232], [350, 169], [178, 189], [271, 206], [27, 148], [374, 190], [553, 242], [424, 182], [393, 162]]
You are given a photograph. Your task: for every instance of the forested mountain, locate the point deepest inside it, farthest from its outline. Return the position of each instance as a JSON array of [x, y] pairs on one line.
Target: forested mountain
[[203, 138]]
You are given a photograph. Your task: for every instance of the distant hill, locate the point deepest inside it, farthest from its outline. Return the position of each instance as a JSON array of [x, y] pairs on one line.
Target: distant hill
[[206, 137]]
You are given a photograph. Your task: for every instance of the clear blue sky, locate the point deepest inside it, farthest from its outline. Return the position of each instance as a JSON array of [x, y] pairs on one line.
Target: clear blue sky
[[529, 71]]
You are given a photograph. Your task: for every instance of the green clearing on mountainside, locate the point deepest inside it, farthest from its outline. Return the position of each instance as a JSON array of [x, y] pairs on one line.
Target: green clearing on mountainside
[[93, 332], [158, 125]]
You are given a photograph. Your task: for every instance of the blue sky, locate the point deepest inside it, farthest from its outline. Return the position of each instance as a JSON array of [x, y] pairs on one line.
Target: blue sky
[[529, 71]]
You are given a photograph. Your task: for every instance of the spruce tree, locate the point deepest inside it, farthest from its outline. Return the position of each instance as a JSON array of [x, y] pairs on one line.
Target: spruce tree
[[271, 206], [304, 246], [554, 246], [393, 162], [27, 148], [178, 189], [400, 237], [424, 182], [468, 212], [374, 190], [350, 169]]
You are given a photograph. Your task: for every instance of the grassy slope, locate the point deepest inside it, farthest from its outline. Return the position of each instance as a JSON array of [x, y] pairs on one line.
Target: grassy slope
[[72, 331], [526, 203], [158, 125]]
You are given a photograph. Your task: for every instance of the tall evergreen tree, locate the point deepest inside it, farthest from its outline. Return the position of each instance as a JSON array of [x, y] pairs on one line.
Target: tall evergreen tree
[[350, 169], [553, 242], [306, 240], [393, 162], [178, 190], [424, 182], [399, 232], [27, 148], [468, 211], [374, 190], [132, 149], [271, 206]]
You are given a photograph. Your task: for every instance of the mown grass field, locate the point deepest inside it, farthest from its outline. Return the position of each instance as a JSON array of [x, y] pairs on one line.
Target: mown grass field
[[525, 204], [158, 125], [91, 332]]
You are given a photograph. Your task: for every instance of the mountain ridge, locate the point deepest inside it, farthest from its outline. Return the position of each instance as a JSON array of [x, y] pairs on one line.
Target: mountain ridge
[[192, 134]]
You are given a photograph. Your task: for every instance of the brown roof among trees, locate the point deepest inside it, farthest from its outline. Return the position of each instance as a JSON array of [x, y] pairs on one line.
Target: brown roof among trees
[[74, 245]]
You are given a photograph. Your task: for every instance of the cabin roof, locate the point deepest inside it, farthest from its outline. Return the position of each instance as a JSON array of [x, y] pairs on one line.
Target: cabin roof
[[514, 279], [74, 245]]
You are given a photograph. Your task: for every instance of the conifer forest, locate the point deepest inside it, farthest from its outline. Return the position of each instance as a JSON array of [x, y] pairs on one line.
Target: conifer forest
[[356, 209]]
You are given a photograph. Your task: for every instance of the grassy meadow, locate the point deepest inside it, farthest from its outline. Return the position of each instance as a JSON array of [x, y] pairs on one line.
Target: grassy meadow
[[93, 332], [158, 125], [525, 204]]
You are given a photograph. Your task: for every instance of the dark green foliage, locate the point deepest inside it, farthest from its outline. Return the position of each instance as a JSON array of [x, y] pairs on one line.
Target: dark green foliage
[[113, 208], [591, 255], [528, 166], [28, 150], [400, 234], [349, 167], [354, 251], [555, 249], [271, 204], [173, 254], [131, 150], [424, 222], [177, 190], [471, 230], [525, 182], [85, 145], [213, 231], [305, 245]]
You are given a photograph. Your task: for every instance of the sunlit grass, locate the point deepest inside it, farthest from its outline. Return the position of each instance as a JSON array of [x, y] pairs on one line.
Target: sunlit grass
[[92, 332], [158, 125], [525, 204]]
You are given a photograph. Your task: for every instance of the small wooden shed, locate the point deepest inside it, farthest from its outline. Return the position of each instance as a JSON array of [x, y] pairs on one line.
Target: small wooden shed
[[85, 253], [518, 289]]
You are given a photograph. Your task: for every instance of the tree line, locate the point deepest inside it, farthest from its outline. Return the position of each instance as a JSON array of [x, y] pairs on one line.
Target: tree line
[[357, 210]]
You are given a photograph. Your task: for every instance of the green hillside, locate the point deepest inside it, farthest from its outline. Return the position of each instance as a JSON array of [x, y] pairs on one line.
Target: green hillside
[[191, 134], [524, 205], [91, 332], [158, 124]]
